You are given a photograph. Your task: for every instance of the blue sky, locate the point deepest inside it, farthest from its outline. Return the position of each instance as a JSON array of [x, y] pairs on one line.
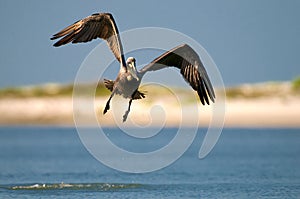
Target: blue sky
[[250, 41]]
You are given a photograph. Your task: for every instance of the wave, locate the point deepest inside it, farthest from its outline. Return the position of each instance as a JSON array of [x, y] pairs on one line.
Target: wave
[[74, 186]]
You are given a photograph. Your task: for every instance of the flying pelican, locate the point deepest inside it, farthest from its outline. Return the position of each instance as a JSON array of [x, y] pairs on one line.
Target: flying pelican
[[183, 57]]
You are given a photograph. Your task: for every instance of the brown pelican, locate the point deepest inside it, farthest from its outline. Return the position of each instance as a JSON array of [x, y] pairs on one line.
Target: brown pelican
[[183, 57]]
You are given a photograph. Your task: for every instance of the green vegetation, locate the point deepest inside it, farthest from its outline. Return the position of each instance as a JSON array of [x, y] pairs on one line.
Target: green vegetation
[[268, 89], [247, 92], [278, 89], [296, 84], [234, 92], [49, 90]]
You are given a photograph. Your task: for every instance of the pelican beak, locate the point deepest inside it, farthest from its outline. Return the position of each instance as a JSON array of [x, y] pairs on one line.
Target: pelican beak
[[132, 70]]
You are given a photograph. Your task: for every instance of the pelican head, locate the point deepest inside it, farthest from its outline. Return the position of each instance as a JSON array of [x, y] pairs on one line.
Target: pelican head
[[131, 67]]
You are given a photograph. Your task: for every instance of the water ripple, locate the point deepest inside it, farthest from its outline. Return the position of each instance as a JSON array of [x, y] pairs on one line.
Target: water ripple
[[74, 186]]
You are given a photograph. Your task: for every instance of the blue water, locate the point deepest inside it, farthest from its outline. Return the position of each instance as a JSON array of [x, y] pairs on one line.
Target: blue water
[[40, 162]]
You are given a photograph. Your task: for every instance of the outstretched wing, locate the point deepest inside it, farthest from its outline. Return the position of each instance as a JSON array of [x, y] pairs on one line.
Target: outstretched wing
[[100, 25], [191, 67]]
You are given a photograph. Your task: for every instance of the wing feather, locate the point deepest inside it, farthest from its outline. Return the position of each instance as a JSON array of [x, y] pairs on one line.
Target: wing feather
[[191, 68], [100, 25]]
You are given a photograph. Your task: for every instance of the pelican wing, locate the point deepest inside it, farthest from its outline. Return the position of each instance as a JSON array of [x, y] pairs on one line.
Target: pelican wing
[[100, 25], [191, 68]]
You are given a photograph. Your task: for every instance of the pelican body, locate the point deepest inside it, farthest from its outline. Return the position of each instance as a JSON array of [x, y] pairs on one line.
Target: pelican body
[[127, 81], [183, 57]]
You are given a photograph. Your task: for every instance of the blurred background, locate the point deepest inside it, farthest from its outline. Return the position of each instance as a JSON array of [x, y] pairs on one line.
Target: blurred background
[[250, 41]]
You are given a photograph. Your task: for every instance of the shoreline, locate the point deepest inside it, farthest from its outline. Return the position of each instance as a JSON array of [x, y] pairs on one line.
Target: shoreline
[[263, 112]]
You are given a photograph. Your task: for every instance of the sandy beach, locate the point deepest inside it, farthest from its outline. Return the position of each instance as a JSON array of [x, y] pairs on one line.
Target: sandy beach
[[261, 112]]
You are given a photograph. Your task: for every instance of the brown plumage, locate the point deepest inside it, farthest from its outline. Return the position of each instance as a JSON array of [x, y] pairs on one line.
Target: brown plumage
[[109, 84], [99, 25], [191, 68]]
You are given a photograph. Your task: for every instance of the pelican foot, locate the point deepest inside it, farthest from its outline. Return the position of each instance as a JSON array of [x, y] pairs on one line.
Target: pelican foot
[[107, 107]]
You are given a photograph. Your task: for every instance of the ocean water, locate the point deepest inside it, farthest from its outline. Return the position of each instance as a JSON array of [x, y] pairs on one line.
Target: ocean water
[[48, 162]]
